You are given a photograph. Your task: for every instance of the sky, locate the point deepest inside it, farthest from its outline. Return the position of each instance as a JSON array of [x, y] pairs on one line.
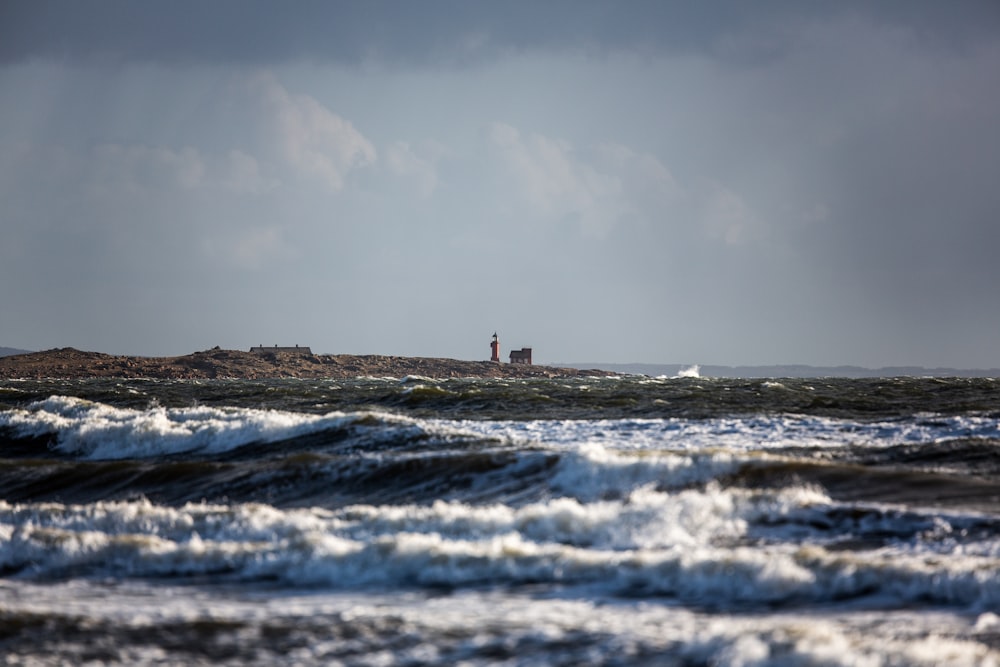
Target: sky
[[720, 182]]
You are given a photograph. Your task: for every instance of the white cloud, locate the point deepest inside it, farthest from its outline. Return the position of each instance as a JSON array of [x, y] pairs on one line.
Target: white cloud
[[647, 184], [251, 249], [311, 138], [136, 168], [416, 164], [729, 218], [598, 187], [241, 173], [255, 246], [299, 133]]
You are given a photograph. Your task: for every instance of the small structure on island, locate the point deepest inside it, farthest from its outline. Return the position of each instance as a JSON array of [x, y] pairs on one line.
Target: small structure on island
[[260, 349], [522, 356]]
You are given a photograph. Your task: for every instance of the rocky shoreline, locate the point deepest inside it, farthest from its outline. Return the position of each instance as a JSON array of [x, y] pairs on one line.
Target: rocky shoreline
[[217, 363]]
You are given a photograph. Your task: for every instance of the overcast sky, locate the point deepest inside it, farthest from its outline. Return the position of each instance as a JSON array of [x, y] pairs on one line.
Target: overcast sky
[[717, 183]]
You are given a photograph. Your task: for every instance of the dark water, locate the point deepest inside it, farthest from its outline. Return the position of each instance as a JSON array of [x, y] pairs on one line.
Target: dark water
[[602, 521]]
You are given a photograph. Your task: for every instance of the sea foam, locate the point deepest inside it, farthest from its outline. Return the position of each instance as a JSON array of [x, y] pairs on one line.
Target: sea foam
[[98, 431], [695, 545]]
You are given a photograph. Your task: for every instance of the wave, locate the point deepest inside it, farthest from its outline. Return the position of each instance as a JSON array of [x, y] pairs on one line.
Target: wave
[[62, 623], [70, 449], [714, 547], [729, 515], [303, 472], [745, 433], [554, 399], [90, 430]]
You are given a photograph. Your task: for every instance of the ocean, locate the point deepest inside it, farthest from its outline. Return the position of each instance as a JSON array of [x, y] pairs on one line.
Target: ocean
[[600, 521]]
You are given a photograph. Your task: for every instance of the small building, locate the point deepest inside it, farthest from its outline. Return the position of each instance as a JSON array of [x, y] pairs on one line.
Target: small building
[[260, 349], [522, 356]]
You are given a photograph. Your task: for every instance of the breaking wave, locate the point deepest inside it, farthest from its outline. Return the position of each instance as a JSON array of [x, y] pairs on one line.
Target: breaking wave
[[422, 521]]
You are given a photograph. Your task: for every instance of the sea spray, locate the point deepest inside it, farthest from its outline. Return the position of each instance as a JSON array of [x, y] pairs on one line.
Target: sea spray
[[592, 520]]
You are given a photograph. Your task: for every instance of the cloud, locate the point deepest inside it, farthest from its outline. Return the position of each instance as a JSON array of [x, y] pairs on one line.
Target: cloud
[[262, 31], [242, 174], [416, 164], [648, 186], [252, 248], [729, 218], [259, 32], [209, 192], [310, 138], [134, 168], [835, 157], [597, 188], [298, 139], [137, 166]]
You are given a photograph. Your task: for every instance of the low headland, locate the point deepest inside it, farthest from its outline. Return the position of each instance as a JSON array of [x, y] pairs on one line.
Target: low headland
[[217, 363]]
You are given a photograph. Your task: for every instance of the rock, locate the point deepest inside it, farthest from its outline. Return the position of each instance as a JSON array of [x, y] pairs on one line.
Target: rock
[[218, 363]]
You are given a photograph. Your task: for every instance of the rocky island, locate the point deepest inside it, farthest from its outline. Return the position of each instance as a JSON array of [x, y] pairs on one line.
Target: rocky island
[[236, 364]]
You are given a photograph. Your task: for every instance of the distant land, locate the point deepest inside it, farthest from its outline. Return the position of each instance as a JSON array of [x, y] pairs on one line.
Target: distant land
[[68, 362], [784, 371]]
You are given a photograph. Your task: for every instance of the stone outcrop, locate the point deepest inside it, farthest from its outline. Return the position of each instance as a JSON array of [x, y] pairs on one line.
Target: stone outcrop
[[219, 363]]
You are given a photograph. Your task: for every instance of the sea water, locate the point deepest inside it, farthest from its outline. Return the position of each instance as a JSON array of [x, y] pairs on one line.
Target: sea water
[[413, 521]]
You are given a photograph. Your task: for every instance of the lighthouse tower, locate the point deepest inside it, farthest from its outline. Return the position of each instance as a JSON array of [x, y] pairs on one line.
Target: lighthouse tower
[[495, 348]]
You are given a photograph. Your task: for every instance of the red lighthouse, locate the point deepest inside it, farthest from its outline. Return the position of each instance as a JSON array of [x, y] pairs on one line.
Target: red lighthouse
[[495, 348]]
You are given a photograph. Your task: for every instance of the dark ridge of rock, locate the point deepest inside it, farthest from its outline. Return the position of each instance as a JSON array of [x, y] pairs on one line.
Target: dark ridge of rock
[[71, 363]]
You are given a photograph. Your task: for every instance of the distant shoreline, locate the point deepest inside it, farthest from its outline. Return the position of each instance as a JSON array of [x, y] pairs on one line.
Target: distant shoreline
[[790, 371], [70, 363], [239, 364]]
